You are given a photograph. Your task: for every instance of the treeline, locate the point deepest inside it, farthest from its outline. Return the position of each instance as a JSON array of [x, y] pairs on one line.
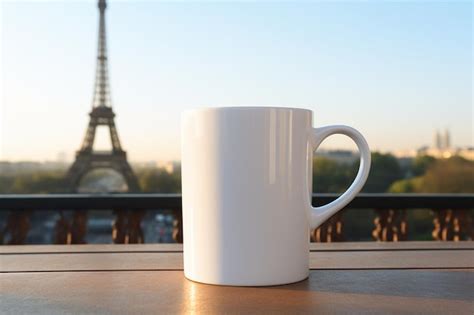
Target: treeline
[[454, 175], [159, 180], [330, 176], [36, 182], [423, 174]]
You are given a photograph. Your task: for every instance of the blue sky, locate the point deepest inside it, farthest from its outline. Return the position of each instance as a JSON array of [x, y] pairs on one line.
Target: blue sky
[[394, 70]]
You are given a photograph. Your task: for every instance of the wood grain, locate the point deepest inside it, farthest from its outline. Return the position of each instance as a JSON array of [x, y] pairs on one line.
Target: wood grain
[[174, 260], [147, 279], [344, 246], [168, 292]]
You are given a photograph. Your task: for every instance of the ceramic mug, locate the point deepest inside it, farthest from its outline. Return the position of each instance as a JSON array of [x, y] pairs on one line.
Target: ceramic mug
[[246, 184]]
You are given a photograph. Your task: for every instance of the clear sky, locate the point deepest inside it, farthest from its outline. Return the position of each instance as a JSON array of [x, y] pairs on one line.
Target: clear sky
[[394, 70]]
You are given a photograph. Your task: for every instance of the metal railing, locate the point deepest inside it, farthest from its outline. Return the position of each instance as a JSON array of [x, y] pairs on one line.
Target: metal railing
[[452, 215]]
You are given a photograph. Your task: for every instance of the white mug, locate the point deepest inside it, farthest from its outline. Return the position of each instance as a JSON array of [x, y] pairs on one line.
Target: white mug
[[246, 184]]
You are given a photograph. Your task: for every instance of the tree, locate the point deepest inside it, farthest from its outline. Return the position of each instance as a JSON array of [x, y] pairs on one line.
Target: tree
[[330, 176], [159, 180], [39, 183], [406, 185], [384, 171], [454, 175], [421, 163], [6, 183]]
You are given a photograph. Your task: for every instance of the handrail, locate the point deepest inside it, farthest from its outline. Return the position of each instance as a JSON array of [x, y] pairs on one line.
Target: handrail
[[173, 201]]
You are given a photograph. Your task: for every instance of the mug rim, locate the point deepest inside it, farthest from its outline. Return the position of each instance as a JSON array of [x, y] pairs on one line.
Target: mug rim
[[217, 108]]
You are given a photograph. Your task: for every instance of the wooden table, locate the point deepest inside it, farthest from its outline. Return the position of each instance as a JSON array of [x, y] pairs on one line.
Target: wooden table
[[411, 277]]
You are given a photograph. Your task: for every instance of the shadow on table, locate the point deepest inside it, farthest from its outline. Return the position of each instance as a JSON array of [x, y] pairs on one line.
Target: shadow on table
[[454, 285]]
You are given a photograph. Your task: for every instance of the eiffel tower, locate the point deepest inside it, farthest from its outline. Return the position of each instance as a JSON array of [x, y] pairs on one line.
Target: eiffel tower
[[101, 115]]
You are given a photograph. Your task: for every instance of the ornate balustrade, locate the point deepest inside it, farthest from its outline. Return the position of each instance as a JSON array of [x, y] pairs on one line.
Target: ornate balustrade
[[452, 215]]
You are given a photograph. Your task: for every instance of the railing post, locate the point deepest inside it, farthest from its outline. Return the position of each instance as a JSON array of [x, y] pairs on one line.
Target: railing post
[[390, 225], [61, 229], [452, 225], [17, 227], [79, 227], [119, 227], [178, 227], [126, 228], [73, 232], [135, 231], [331, 231]]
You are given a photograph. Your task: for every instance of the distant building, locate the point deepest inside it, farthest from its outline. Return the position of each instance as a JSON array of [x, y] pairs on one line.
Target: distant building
[[442, 141], [405, 154], [144, 164], [442, 148], [23, 167], [437, 141], [170, 166], [340, 156], [447, 139]]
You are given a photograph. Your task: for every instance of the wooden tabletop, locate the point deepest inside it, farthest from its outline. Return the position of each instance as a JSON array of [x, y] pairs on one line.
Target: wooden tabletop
[[409, 277]]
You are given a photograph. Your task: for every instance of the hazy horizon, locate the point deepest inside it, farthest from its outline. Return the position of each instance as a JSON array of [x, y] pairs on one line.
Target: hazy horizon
[[395, 71]]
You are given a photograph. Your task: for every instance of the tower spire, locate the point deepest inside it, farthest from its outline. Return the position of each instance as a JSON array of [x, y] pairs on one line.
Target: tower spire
[[102, 114], [101, 87]]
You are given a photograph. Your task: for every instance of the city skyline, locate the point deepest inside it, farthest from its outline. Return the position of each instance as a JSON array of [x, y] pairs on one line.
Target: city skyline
[[355, 60]]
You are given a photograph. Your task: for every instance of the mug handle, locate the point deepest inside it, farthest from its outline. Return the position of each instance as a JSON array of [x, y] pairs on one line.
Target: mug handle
[[322, 213]]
